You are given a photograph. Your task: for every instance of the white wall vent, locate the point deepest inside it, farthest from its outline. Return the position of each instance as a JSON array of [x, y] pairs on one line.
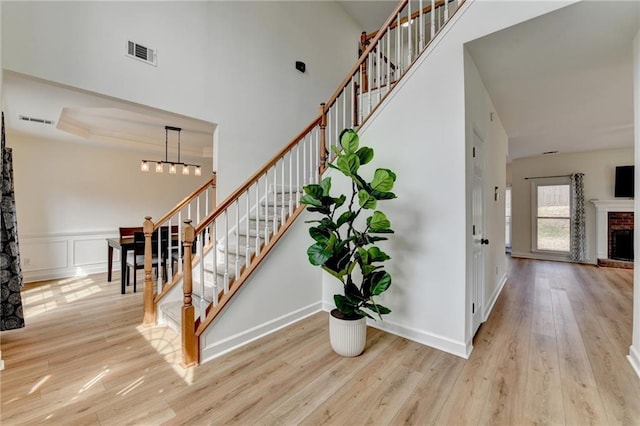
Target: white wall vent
[[142, 53], [35, 120]]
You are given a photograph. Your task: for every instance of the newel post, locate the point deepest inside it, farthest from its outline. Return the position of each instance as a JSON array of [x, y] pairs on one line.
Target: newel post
[[323, 140], [149, 294], [189, 340]]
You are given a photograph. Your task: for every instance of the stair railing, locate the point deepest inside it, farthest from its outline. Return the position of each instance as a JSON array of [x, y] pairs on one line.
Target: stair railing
[[237, 235], [168, 239]]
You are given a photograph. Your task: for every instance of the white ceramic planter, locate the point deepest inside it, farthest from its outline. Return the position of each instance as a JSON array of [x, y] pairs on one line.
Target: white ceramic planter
[[348, 337]]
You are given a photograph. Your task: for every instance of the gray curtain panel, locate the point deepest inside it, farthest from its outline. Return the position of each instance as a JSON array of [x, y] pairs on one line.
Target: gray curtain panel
[[11, 316], [578, 249]]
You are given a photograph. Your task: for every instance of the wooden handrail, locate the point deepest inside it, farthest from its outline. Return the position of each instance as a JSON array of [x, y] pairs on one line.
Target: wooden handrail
[[256, 176], [365, 54], [414, 15], [209, 182]]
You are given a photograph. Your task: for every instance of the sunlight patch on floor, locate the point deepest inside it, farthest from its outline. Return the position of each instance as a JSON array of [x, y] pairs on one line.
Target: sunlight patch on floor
[[39, 383], [167, 342]]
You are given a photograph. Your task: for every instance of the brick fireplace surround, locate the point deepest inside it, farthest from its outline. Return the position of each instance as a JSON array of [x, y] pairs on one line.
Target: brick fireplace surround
[[611, 215]]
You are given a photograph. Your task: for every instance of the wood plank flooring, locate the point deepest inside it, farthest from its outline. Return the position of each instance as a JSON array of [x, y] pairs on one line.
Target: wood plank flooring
[[552, 352]]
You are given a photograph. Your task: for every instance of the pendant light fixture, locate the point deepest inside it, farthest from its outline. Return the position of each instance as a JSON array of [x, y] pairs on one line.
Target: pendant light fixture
[[173, 165]]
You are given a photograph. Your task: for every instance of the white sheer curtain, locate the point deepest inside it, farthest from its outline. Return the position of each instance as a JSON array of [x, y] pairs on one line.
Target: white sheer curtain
[[578, 250]]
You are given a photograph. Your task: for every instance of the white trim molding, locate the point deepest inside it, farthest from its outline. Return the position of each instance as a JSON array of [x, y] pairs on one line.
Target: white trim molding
[[62, 255], [603, 207], [233, 342], [634, 359], [494, 297]]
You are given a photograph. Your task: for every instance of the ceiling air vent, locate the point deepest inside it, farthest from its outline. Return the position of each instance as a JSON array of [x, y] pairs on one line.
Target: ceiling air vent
[[142, 53], [35, 120]]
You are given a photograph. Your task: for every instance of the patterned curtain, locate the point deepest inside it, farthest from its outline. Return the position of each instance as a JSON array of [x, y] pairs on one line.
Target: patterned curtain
[[578, 249], [11, 316]]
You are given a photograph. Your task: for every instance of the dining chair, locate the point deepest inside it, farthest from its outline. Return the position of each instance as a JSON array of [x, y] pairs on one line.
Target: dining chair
[[135, 258]]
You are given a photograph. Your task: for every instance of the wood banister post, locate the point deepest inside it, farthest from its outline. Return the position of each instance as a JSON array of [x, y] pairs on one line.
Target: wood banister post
[[189, 340], [323, 140], [149, 293]]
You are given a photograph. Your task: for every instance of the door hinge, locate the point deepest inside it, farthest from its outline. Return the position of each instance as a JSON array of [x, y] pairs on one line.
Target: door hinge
[[474, 230], [473, 308], [474, 152]]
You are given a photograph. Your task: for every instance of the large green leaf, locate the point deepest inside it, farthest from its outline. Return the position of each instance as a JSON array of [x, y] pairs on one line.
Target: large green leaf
[[339, 201], [380, 283], [348, 164], [368, 269], [364, 255], [318, 254], [383, 195], [349, 140], [379, 309], [383, 180], [343, 304], [338, 274], [377, 255], [345, 217], [310, 200], [314, 190], [353, 294], [321, 235], [378, 222], [325, 185], [365, 154], [366, 201]]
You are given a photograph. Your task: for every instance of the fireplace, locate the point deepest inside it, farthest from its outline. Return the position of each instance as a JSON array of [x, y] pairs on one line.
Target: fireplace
[[614, 233]]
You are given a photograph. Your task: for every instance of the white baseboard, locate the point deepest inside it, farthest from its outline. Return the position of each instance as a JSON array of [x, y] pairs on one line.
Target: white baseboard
[[233, 342], [424, 338], [492, 301], [544, 256], [634, 359]]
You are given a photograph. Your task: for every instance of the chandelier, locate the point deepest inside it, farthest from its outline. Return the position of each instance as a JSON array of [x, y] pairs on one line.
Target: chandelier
[[173, 165]]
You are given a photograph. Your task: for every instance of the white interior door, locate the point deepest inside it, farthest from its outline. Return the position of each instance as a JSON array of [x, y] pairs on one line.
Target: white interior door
[[479, 240]]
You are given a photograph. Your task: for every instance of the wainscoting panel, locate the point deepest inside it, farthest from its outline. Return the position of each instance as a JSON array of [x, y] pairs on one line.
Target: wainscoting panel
[[52, 256]]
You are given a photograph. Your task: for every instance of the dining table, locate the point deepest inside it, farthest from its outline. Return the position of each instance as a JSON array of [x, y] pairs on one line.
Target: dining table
[[123, 245]]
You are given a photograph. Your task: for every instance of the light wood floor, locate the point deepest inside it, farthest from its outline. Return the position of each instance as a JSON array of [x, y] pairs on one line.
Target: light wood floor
[[552, 352]]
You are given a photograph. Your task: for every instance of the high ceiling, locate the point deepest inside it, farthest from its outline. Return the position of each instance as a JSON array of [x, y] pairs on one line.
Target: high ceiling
[[563, 81], [559, 82]]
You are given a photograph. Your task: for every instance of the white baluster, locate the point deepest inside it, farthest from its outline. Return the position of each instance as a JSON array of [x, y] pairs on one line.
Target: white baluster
[[226, 251], [298, 173], [282, 209], [409, 38], [257, 217], [344, 110], [170, 253], [203, 309], [360, 97], [378, 69], [433, 18], [247, 239], [290, 182], [398, 35], [353, 101], [304, 160], [214, 251], [180, 248], [159, 258], [275, 202], [266, 210], [198, 209], [421, 28], [388, 37], [446, 10], [370, 81], [311, 151], [237, 262]]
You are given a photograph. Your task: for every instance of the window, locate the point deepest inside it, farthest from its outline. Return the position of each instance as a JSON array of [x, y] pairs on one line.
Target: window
[[551, 215], [507, 219]]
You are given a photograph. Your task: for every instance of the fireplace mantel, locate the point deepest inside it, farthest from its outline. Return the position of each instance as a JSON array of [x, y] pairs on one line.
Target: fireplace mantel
[[603, 207]]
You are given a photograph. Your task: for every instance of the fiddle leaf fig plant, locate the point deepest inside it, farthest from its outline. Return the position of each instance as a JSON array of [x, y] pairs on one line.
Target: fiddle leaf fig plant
[[345, 236]]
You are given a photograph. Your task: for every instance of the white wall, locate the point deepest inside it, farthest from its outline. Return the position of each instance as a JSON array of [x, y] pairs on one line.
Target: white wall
[[420, 132], [230, 63], [599, 175], [71, 196], [257, 96], [481, 117], [634, 350]]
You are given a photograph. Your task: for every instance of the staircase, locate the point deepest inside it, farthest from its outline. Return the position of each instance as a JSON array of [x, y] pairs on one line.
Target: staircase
[[228, 241]]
